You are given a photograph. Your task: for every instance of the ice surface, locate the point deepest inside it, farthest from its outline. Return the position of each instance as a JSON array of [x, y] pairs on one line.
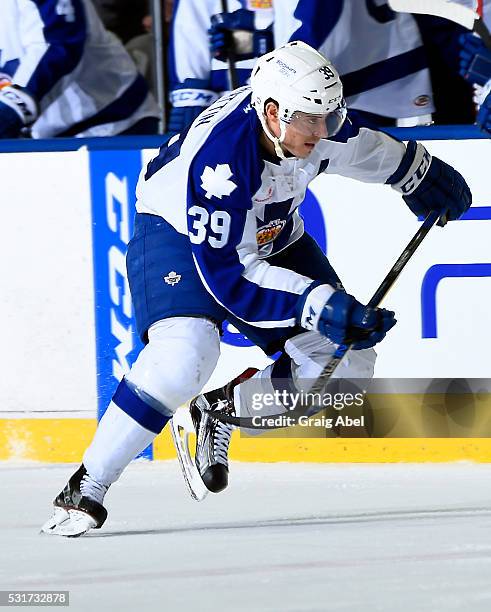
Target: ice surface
[[283, 537]]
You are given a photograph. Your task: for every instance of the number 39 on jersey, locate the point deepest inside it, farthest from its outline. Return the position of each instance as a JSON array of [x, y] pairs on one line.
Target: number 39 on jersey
[[214, 227]]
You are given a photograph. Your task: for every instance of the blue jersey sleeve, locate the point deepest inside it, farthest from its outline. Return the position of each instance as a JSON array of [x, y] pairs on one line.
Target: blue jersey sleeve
[[53, 34], [317, 20]]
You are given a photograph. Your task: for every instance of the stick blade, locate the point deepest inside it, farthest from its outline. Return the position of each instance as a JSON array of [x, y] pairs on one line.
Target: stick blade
[[447, 9]]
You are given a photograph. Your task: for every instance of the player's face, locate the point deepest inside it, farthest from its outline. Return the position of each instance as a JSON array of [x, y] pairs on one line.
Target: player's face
[[301, 135], [300, 140]]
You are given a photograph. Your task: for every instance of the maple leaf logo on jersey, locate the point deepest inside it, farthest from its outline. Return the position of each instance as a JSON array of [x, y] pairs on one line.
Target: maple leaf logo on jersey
[[217, 182]]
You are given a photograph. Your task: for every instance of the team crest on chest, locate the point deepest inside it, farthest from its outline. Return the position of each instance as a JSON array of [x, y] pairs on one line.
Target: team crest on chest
[[217, 182], [172, 278], [269, 232]]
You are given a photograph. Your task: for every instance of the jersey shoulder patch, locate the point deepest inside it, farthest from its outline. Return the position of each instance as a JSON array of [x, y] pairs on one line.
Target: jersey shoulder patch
[[227, 168]]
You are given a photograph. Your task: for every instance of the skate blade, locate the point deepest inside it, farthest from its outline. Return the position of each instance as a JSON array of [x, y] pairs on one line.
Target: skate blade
[[69, 523], [181, 429]]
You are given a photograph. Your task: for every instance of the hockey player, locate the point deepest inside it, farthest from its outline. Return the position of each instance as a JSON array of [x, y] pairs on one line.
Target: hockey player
[[63, 74], [197, 74], [218, 235], [475, 64], [379, 54]]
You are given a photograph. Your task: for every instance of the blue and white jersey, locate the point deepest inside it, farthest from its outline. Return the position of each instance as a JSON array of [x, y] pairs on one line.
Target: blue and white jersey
[[481, 93], [189, 52], [237, 205], [378, 53], [82, 78]]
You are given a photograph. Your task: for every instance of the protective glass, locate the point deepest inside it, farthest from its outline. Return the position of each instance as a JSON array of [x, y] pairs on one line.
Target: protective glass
[[325, 125]]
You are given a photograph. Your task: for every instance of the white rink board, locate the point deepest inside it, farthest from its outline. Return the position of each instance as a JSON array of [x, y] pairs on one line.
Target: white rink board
[[47, 302], [362, 246]]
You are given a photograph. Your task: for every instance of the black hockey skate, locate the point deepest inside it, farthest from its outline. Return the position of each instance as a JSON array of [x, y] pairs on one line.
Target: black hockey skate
[[213, 436], [78, 507]]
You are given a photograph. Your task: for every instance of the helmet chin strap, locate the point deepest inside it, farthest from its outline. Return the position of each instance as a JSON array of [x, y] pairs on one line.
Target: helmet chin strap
[[274, 139]]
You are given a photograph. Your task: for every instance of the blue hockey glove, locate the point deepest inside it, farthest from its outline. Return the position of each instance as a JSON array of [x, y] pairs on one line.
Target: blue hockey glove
[[188, 100], [427, 183], [180, 117], [237, 32], [341, 318], [475, 59], [484, 115], [17, 110]]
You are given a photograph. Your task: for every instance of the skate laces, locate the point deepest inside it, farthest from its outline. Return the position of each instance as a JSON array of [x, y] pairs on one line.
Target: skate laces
[[92, 489], [222, 432]]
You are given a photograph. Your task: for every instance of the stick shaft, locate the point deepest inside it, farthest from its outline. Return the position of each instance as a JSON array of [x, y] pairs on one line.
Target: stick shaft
[[233, 81], [481, 29], [377, 297], [405, 256]]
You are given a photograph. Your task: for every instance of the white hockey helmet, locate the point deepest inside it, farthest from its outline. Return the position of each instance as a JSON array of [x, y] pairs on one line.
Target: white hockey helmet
[[304, 84]]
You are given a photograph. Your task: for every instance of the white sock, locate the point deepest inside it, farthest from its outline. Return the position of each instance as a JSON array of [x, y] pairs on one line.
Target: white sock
[[117, 441]]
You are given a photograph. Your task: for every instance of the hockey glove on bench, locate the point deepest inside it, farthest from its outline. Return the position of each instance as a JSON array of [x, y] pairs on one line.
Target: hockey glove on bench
[[188, 99], [17, 110], [342, 319], [427, 183], [475, 67], [475, 60], [237, 31]]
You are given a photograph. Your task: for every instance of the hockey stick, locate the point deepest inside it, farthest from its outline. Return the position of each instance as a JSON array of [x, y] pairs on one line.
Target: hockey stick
[[233, 81], [463, 15], [342, 349], [379, 295]]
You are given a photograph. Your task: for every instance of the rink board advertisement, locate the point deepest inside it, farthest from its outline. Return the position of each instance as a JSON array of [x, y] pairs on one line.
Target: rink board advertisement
[[70, 305]]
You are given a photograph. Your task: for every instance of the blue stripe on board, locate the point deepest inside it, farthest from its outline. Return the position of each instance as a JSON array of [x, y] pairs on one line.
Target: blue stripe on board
[[430, 284], [113, 180], [477, 213], [109, 143], [438, 132], [117, 143]]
